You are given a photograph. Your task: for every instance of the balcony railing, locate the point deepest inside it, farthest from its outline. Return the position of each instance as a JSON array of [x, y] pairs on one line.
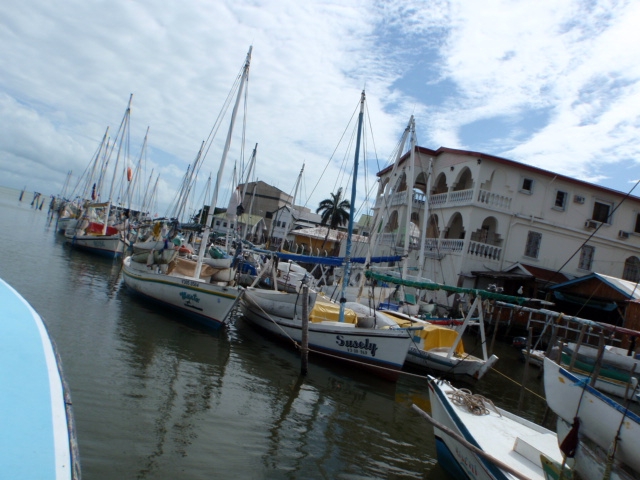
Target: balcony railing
[[443, 246], [494, 200], [452, 198], [490, 252]]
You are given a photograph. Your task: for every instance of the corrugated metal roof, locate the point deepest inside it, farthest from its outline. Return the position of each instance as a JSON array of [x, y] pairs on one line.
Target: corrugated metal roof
[[631, 290]]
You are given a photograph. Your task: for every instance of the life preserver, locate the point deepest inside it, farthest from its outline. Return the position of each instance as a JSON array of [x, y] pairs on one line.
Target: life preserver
[[129, 174]]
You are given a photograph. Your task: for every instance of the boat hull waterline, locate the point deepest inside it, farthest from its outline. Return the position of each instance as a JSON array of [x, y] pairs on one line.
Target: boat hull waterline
[[383, 351], [207, 303], [512, 440], [601, 418]]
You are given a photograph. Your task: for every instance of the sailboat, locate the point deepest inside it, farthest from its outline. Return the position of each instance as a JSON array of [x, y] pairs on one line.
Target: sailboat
[[365, 341], [439, 348], [185, 284], [101, 230], [602, 424]]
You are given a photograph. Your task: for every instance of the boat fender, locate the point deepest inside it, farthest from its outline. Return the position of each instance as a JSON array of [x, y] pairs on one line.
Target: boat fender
[[570, 442]]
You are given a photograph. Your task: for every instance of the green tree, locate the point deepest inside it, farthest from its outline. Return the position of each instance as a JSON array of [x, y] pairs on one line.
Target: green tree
[[334, 211]]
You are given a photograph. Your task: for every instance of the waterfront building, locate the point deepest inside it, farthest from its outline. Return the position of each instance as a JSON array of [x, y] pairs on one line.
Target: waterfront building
[[494, 221]]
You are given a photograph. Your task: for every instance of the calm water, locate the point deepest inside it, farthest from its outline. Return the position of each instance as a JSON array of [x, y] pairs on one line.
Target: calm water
[[157, 398]]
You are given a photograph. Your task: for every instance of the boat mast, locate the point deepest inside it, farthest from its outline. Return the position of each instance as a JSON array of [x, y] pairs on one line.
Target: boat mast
[[409, 200], [347, 257], [125, 132], [252, 162], [379, 218], [425, 220], [214, 197]]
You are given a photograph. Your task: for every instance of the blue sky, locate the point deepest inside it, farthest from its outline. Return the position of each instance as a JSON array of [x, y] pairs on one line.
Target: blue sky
[[551, 84]]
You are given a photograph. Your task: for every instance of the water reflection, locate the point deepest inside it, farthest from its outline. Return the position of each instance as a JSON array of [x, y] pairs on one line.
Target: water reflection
[[156, 397], [332, 423]]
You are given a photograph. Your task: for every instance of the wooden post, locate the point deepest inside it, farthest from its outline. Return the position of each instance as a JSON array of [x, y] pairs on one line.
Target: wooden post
[[583, 330], [526, 369], [305, 330], [598, 364], [495, 331]]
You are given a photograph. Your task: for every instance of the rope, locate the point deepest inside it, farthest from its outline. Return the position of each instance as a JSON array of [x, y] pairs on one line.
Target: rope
[[476, 404], [520, 385]]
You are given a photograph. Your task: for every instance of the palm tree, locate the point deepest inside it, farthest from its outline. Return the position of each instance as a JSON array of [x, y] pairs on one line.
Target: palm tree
[[334, 211]]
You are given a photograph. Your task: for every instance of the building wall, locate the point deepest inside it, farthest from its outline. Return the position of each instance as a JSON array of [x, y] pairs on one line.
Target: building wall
[[489, 213]]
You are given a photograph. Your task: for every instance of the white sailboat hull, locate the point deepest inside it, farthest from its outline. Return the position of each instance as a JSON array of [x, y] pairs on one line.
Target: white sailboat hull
[[111, 246], [207, 303], [381, 350], [66, 223], [512, 440], [600, 417], [591, 460], [438, 359]]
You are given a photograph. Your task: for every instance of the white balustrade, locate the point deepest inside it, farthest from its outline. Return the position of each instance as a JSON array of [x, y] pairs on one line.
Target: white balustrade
[[484, 250]]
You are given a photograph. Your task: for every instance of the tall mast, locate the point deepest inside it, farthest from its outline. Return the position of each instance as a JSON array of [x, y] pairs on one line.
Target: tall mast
[[347, 257], [214, 197], [409, 202], [379, 218], [425, 221], [124, 137]]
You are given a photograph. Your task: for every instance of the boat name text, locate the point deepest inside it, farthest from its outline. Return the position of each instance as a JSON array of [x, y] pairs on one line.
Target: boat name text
[[354, 345], [189, 297]]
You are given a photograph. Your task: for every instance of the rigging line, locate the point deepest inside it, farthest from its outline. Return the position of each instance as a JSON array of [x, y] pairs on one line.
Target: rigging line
[[336, 148], [626, 196]]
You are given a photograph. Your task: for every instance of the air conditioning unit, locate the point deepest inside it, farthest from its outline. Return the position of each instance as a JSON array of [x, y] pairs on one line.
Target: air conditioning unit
[[591, 224], [578, 199], [623, 234]]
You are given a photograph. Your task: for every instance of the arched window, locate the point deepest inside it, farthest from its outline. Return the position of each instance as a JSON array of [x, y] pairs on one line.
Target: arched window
[[631, 269]]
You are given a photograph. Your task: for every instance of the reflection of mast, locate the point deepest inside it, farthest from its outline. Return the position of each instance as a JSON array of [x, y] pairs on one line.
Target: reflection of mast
[[278, 424]]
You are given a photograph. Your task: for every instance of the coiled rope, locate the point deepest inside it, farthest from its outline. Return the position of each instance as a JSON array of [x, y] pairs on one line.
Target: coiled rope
[[475, 404]]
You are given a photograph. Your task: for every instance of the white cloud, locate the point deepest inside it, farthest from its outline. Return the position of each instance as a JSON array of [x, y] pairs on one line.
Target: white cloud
[[69, 68]]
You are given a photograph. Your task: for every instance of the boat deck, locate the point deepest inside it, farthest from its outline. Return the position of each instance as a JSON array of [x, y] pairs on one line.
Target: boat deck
[[35, 440]]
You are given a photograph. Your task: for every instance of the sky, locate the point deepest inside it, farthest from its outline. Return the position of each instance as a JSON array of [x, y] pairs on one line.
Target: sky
[[553, 84]]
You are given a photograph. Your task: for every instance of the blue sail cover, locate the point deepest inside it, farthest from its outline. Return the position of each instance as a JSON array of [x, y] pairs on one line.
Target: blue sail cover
[[330, 261]]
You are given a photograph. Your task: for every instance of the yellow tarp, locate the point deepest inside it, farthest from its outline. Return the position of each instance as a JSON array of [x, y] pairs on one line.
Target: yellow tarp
[[322, 311], [435, 336]]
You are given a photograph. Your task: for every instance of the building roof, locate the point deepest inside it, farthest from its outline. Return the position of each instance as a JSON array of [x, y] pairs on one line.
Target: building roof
[[321, 233], [624, 287]]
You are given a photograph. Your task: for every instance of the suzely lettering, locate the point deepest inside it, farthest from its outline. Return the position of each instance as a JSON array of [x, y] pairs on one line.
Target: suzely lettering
[[366, 345]]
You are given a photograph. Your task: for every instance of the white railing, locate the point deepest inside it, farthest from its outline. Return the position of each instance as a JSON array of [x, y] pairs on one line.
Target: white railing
[[438, 199], [451, 198], [494, 199], [461, 196], [484, 250], [444, 245]]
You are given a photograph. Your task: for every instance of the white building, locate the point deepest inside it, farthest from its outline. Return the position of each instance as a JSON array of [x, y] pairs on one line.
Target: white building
[[287, 219], [491, 218]]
